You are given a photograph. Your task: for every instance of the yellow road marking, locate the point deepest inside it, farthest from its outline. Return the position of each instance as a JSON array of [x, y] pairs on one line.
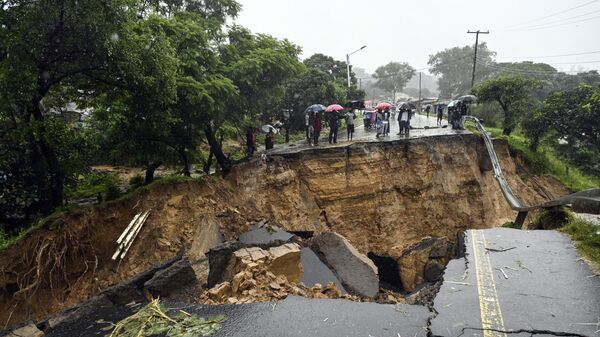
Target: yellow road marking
[[489, 306]]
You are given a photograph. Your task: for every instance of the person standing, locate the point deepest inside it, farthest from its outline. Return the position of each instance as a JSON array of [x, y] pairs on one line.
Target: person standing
[[403, 122], [334, 124], [250, 141], [386, 121], [269, 139], [350, 124], [440, 114], [307, 125], [316, 124], [464, 111]]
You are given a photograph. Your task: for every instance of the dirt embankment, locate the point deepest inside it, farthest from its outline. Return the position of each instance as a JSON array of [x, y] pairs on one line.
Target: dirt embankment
[[383, 197]]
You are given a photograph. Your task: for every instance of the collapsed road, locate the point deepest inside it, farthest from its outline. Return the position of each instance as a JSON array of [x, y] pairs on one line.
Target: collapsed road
[[497, 282], [509, 282]]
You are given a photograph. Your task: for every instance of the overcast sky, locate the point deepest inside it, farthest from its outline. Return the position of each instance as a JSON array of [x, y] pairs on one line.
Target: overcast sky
[[411, 30]]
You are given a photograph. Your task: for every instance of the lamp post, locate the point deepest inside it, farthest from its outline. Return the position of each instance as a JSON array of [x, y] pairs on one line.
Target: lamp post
[[348, 62]]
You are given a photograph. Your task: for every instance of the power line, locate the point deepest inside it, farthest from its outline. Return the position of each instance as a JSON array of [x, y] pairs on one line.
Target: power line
[[553, 14], [551, 26], [555, 22], [549, 56]]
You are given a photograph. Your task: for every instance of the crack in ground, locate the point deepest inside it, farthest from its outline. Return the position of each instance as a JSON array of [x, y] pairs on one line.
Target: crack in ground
[[532, 332]]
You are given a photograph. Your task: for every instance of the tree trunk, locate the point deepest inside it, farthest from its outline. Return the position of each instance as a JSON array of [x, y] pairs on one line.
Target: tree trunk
[[54, 194], [217, 150], [150, 169], [287, 134], [208, 163]]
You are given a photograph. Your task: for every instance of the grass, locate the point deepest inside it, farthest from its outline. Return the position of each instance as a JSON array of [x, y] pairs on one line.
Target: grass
[[587, 239], [545, 161]]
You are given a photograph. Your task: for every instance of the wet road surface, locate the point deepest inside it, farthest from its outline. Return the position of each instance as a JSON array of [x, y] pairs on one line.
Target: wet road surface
[[523, 282], [510, 283], [422, 127]]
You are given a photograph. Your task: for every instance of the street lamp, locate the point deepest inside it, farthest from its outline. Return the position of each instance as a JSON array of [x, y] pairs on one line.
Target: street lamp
[[348, 62]]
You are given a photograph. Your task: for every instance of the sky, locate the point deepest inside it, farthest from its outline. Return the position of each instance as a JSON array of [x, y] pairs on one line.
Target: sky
[[411, 30]]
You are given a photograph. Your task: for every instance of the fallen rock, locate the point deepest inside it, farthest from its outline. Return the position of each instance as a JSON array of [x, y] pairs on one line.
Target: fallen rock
[[286, 261], [209, 237], [29, 330], [167, 281], [219, 260], [357, 272]]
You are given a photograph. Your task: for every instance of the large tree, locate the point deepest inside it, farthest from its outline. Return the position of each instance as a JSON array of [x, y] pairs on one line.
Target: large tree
[[511, 92], [47, 45], [454, 68], [393, 76]]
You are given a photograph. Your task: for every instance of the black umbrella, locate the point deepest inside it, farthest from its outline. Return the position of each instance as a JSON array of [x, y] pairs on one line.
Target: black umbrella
[[403, 105], [316, 108], [468, 99]]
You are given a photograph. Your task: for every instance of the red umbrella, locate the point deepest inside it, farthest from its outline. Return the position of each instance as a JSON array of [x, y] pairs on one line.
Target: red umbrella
[[334, 107], [383, 106]]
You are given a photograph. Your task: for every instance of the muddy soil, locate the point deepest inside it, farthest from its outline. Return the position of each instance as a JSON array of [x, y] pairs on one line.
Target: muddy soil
[[383, 197]]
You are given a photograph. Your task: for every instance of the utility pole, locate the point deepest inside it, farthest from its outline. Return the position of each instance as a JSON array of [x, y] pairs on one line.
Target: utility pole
[[475, 56]]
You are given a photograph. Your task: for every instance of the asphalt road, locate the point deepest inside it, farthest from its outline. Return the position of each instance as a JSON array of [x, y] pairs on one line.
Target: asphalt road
[[421, 127], [523, 282]]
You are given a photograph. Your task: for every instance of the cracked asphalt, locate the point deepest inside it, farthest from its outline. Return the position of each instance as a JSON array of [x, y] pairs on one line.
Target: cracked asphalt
[[541, 285], [510, 282]]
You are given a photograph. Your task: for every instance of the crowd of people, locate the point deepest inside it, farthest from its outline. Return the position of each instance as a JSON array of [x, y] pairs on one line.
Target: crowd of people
[[315, 121]]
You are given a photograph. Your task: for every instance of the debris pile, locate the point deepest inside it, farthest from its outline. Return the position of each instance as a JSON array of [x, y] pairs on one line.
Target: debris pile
[[258, 283]]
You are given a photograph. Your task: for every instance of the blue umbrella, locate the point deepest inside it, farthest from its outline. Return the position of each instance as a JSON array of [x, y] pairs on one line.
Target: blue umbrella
[[316, 108]]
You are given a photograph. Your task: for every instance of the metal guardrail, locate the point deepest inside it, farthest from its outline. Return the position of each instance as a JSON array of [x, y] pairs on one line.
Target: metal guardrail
[[514, 202]]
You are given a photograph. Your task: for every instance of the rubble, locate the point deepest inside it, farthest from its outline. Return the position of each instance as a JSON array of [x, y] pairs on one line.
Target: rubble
[[415, 259], [356, 271], [257, 283]]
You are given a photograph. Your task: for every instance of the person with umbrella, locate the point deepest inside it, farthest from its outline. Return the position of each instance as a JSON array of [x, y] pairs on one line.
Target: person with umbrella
[[333, 121], [464, 108], [309, 112], [316, 124]]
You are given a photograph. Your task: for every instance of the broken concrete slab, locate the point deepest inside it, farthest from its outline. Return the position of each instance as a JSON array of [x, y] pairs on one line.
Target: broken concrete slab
[[315, 271], [263, 232], [357, 272], [169, 280]]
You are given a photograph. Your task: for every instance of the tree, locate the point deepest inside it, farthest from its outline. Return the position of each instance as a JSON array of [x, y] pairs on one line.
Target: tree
[[393, 76], [511, 92], [337, 70], [313, 86], [45, 45], [454, 67]]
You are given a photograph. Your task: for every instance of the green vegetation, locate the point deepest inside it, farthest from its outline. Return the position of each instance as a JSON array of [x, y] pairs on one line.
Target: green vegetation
[[152, 320], [546, 161], [587, 239], [551, 218]]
